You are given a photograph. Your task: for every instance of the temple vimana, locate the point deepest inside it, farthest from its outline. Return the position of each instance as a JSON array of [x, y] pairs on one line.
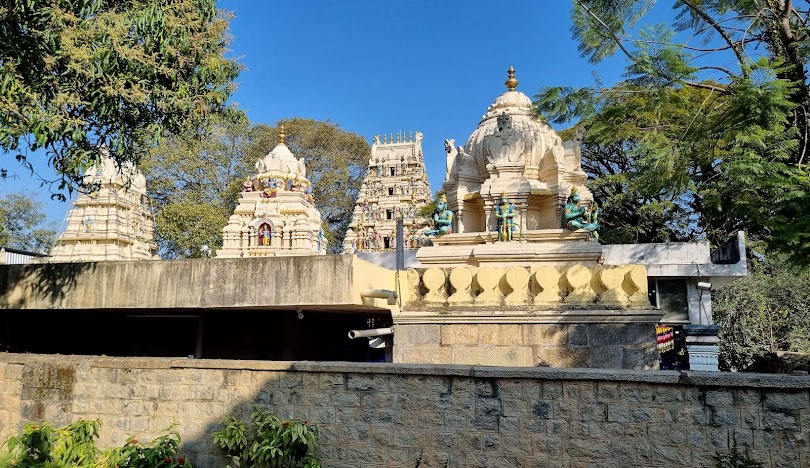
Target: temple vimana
[[506, 270]]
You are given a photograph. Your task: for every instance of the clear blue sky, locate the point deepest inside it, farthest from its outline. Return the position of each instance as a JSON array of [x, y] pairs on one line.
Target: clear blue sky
[[378, 67]]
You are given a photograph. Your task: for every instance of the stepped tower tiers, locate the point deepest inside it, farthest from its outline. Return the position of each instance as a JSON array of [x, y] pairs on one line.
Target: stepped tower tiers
[[396, 187], [515, 154], [276, 214], [110, 223]]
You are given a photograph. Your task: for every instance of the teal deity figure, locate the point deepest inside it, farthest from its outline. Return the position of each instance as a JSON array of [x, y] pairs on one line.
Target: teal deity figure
[[579, 217], [442, 219], [505, 214]]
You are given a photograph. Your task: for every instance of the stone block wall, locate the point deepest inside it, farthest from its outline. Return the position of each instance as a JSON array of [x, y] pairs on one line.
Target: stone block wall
[[624, 346], [434, 416]]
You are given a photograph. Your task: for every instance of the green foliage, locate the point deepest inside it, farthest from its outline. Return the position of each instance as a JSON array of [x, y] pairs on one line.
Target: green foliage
[[736, 459], [698, 142], [160, 452], [80, 74], [336, 161], [274, 443], [763, 313], [194, 181], [74, 446], [20, 223]]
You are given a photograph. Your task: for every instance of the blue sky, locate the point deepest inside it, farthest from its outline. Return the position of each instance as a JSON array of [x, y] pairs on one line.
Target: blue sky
[[377, 67]]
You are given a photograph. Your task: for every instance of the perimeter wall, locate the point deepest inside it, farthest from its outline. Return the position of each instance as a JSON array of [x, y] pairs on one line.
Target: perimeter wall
[[441, 415]]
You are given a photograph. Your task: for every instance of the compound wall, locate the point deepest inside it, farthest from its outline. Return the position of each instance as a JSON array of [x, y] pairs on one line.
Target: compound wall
[[427, 415]]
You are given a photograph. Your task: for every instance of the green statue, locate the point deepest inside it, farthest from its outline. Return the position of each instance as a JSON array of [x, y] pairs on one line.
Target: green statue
[[442, 219], [580, 217], [505, 214]]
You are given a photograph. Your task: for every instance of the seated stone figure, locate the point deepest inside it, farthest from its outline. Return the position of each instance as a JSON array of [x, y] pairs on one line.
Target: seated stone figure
[[442, 219], [505, 213], [579, 217]]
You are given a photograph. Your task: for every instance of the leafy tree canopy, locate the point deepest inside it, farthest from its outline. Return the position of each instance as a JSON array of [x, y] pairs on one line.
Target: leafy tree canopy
[[763, 314], [75, 75], [701, 139], [21, 226]]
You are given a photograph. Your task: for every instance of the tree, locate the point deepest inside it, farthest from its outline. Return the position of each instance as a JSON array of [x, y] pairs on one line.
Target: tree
[[763, 313], [21, 226], [336, 162], [195, 181], [721, 145], [122, 74]]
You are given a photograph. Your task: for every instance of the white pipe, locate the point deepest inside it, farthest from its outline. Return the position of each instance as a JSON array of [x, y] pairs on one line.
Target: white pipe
[[371, 332], [380, 294]]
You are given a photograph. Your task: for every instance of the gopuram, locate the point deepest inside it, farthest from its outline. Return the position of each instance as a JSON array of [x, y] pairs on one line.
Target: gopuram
[[111, 221], [396, 188], [276, 214]]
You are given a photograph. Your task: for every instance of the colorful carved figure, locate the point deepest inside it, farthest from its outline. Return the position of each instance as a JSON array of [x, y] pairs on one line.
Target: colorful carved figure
[[505, 214], [580, 217], [247, 185], [264, 235], [442, 219]]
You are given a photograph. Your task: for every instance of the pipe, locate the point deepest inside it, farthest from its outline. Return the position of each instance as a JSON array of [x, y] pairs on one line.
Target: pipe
[[371, 332], [380, 294]]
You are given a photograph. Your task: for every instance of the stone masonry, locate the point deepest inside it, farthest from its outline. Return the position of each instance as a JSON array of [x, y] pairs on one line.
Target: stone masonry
[[396, 415]]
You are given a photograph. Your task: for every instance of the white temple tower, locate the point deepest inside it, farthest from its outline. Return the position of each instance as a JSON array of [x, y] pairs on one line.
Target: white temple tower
[[396, 187], [112, 223], [276, 214]]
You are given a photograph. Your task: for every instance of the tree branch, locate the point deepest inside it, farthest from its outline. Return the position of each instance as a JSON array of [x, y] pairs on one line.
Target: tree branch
[[607, 29], [709, 20]]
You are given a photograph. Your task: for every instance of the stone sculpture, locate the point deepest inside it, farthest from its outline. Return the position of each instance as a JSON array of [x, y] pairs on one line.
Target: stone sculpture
[[580, 217], [442, 219], [505, 213]]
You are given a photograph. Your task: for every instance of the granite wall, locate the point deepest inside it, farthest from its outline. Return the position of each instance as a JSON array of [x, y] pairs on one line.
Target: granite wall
[[404, 415]]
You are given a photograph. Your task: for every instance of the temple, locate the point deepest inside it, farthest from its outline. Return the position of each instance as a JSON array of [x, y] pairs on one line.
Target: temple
[[514, 161], [396, 188], [112, 221], [276, 213]]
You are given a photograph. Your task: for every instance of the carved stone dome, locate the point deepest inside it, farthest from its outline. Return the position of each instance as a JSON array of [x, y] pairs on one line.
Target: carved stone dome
[[535, 132], [280, 159]]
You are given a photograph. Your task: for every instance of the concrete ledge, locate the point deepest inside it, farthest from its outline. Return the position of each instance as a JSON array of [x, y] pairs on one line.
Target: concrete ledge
[[709, 379]]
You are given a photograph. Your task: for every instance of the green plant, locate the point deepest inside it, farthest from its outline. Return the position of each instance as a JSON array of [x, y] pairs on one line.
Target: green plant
[[42, 445], [736, 459], [275, 443], [160, 452], [74, 446]]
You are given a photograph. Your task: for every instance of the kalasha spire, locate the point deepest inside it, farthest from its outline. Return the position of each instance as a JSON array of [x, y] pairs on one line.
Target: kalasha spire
[[282, 138], [511, 82]]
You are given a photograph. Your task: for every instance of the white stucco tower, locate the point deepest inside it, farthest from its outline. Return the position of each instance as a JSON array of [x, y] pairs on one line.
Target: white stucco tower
[[111, 223], [396, 187], [276, 214]]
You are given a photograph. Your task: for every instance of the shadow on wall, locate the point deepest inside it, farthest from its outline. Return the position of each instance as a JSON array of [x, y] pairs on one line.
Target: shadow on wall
[[49, 282]]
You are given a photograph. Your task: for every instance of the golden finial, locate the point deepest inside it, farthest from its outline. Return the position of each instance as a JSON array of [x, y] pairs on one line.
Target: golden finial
[[443, 198], [385, 138], [410, 138], [392, 138], [511, 82], [282, 138]]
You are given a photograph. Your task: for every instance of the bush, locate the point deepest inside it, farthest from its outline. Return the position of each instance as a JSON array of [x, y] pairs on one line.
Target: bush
[[275, 443], [42, 446]]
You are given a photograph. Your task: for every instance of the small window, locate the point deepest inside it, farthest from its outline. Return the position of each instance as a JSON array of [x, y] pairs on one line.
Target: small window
[[389, 214], [393, 171], [390, 190], [387, 242]]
